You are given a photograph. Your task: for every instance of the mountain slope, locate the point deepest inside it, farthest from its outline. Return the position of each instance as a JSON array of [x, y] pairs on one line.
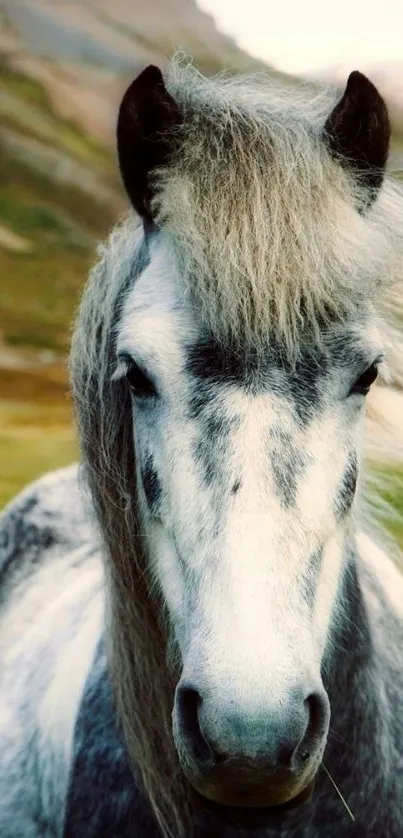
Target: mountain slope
[[63, 68], [81, 51]]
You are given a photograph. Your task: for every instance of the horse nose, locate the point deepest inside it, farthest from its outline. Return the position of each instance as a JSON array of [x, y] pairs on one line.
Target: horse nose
[[219, 733]]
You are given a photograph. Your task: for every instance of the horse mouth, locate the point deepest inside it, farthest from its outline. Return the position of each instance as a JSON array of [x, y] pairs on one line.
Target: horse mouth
[[250, 812], [249, 815]]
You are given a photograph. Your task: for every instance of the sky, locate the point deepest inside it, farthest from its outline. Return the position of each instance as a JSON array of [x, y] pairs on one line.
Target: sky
[[304, 36]]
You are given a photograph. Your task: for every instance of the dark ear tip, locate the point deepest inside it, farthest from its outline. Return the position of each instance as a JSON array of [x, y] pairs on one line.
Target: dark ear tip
[[359, 85], [151, 75], [356, 78]]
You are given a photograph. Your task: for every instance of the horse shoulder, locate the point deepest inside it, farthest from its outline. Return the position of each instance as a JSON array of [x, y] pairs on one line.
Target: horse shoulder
[[51, 617], [51, 511], [104, 798]]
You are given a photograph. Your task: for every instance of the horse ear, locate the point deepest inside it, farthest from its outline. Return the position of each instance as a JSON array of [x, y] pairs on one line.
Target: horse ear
[[358, 132], [146, 118]]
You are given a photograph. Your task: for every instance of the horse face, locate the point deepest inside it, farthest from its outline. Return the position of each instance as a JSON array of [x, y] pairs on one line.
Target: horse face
[[247, 474]]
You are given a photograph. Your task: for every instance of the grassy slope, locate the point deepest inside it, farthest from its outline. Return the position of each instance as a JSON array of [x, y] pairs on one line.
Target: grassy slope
[[58, 220], [388, 479], [58, 224], [33, 439]]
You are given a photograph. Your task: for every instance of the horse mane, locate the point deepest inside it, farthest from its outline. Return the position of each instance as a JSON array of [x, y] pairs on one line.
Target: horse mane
[[137, 636], [264, 227]]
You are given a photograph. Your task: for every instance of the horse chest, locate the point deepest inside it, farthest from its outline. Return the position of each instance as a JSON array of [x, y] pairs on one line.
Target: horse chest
[[104, 800]]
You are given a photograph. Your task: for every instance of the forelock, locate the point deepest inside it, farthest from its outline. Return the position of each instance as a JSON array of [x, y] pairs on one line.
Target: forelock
[[260, 218]]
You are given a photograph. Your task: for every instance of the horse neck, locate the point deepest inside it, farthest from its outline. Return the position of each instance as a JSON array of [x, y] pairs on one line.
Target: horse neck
[[356, 681]]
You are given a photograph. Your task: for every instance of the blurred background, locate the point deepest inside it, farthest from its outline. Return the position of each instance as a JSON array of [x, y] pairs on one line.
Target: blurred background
[[64, 65]]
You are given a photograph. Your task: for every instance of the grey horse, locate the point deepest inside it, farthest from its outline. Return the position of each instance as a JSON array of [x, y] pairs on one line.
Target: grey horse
[[200, 629]]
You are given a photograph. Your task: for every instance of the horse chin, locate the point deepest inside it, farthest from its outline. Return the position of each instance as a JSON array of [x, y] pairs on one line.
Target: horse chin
[[254, 809]]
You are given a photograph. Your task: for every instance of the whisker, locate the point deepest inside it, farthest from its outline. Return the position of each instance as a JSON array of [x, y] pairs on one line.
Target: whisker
[[345, 804], [339, 738], [336, 735]]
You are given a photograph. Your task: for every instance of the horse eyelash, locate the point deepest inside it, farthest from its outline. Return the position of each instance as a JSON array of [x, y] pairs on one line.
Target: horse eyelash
[[121, 370]]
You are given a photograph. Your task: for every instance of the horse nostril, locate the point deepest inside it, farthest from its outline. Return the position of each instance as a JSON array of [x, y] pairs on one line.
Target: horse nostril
[[188, 703], [316, 708], [312, 727]]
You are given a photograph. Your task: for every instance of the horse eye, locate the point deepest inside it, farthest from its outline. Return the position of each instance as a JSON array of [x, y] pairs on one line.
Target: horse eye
[[363, 383], [139, 382]]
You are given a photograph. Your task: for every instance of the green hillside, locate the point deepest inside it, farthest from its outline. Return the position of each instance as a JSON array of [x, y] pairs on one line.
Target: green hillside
[[58, 196]]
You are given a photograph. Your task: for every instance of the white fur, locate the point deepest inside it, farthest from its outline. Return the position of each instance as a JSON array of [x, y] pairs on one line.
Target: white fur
[[244, 623]]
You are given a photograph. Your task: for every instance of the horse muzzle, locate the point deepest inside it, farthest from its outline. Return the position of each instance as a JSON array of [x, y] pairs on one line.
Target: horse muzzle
[[246, 760]]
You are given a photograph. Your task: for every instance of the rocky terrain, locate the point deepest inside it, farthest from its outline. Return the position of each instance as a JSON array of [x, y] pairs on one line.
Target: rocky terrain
[[81, 51]]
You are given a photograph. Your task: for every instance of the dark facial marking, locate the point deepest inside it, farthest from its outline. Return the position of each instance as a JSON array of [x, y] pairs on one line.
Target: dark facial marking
[[199, 401], [267, 369], [257, 371], [206, 459], [346, 492], [211, 445], [287, 463], [216, 425], [212, 361], [304, 385], [235, 488], [209, 455], [346, 351], [310, 577], [151, 485]]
